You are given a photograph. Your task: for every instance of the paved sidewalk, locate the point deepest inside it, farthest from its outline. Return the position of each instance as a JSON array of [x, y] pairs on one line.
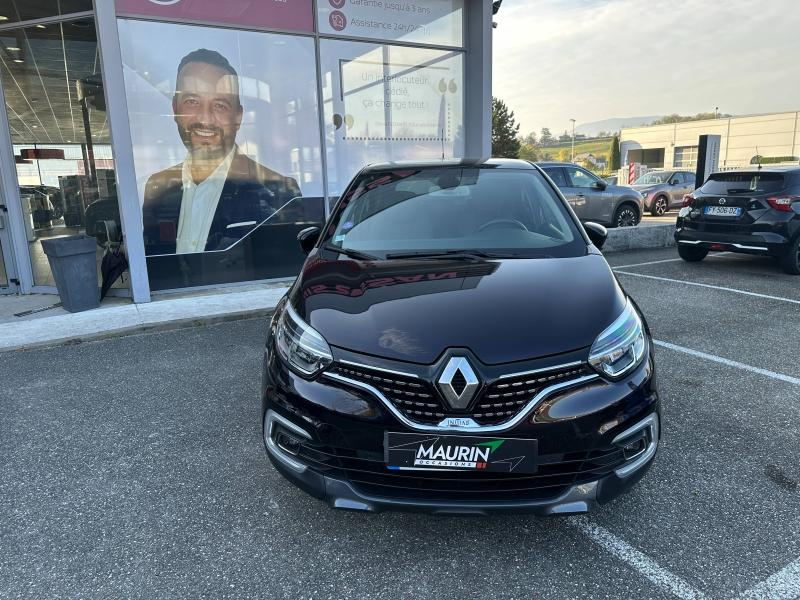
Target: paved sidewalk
[[120, 317]]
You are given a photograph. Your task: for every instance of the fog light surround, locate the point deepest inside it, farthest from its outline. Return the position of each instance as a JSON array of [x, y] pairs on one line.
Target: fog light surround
[[278, 429], [645, 432]]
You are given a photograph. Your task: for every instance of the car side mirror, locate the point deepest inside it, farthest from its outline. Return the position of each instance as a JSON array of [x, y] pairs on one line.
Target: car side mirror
[[601, 185], [307, 238], [597, 233]]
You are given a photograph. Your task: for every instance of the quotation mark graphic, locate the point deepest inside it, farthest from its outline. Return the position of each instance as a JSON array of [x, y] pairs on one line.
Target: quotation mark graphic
[[339, 120], [337, 3], [444, 87]]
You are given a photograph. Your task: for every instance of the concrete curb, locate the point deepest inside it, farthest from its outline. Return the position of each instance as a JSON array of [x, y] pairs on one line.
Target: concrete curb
[[136, 318], [640, 238]]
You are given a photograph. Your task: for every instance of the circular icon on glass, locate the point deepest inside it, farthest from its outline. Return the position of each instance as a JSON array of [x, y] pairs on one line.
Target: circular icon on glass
[[337, 20], [337, 3]]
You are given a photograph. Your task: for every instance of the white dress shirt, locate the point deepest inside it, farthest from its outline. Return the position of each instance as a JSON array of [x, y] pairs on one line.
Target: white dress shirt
[[199, 205]]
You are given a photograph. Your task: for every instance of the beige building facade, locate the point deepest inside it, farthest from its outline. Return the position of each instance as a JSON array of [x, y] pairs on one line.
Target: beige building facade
[[775, 138]]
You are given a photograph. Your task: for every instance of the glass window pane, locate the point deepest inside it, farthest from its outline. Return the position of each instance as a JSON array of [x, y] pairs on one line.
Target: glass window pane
[[389, 103], [56, 111], [686, 157], [557, 175], [12, 11], [225, 131], [580, 178]]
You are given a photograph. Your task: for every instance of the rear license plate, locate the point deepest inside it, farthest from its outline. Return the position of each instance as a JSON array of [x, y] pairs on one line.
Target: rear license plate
[[430, 452], [722, 211]]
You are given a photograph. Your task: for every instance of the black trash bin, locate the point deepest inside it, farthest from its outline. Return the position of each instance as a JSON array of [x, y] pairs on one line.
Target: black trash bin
[[73, 261]]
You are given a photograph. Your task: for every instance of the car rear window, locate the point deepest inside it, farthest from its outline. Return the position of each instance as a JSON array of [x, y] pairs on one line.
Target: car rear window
[[744, 183]]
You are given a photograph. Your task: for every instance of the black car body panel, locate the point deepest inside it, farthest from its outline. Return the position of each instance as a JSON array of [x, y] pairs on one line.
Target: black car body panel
[[472, 305], [524, 325]]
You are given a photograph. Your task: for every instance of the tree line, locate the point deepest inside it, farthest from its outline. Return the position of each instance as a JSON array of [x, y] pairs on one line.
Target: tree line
[[507, 142]]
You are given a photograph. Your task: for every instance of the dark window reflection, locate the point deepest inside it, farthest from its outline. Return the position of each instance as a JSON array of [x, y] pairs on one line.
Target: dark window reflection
[[269, 251], [12, 11]]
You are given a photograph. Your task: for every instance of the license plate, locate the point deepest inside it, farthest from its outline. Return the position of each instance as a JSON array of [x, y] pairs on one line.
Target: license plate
[[722, 211], [430, 452]]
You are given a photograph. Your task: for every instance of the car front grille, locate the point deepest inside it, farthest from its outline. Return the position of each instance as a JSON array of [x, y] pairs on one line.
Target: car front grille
[[496, 403], [503, 399], [368, 473], [413, 397]]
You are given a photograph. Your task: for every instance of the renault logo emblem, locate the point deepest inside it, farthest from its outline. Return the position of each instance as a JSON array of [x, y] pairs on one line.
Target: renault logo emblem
[[722, 201], [458, 383]]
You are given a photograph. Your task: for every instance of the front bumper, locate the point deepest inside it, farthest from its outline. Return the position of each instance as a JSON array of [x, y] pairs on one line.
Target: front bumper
[[337, 449], [575, 499]]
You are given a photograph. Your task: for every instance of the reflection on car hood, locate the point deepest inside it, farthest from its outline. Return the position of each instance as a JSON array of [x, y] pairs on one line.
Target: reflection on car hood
[[620, 190], [505, 310], [645, 188]]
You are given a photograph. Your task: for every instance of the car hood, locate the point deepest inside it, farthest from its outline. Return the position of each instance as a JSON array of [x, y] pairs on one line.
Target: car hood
[[620, 190], [644, 188], [503, 311]]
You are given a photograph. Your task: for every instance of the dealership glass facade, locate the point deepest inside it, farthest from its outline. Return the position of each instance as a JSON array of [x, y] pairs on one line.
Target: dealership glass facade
[[55, 108], [244, 125]]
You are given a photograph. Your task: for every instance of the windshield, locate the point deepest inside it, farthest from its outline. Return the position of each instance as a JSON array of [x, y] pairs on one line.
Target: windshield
[[501, 211], [743, 183], [653, 178]]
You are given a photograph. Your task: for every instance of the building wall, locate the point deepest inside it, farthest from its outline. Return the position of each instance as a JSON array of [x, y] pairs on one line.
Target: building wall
[[768, 135]]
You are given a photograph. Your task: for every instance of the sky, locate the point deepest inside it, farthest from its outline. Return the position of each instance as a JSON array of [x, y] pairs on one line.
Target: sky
[[597, 59]]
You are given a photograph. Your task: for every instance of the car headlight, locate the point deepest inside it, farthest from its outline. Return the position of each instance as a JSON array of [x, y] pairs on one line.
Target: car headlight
[[621, 346], [300, 345]]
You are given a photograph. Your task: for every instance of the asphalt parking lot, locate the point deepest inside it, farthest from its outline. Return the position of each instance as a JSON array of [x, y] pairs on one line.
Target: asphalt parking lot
[[133, 468]]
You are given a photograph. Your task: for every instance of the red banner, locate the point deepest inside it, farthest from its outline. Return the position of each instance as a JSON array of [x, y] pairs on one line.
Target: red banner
[[41, 154], [296, 15]]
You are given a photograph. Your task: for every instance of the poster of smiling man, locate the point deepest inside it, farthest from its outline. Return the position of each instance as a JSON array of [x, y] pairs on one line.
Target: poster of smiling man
[[225, 132]]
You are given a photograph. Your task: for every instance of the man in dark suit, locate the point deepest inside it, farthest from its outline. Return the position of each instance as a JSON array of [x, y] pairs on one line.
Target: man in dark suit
[[217, 195]]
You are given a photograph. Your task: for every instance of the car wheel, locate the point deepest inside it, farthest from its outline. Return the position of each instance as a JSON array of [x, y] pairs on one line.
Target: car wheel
[[660, 206], [790, 262], [692, 253], [626, 216]]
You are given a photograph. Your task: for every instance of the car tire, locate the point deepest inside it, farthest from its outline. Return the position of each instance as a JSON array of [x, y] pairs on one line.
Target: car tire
[[660, 206], [626, 215], [790, 262], [692, 253]]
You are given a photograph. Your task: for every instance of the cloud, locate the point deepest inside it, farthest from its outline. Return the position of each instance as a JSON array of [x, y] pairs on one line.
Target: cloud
[[597, 59]]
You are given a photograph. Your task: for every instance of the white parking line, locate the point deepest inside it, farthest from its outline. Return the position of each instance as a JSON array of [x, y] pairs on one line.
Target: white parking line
[[713, 287], [783, 585], [728, 362], [666, 260], [643, 564], [652, 262]]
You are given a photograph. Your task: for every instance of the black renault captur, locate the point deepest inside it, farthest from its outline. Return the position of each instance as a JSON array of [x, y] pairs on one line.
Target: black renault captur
[[752, 211], [456, 343]]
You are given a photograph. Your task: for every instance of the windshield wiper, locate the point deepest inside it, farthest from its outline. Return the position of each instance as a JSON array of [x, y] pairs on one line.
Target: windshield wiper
[[451, 254], [349, 252]]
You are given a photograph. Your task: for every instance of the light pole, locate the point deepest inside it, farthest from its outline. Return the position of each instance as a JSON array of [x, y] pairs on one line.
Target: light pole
[[573, 139], [716, 112]]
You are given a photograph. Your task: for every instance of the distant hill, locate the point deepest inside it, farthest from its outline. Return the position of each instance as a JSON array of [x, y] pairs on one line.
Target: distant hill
[[600, 147], [613, 125]]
